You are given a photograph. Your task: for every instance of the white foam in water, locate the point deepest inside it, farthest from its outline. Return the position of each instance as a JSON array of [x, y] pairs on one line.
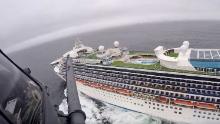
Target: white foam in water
[[64, 106], [122, 116], [109, 114]]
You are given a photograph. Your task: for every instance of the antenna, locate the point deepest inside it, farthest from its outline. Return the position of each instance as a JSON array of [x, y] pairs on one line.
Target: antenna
[[77, 43]]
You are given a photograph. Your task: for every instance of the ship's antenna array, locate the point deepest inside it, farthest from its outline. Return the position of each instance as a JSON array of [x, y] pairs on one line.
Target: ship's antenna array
[[77, 43]]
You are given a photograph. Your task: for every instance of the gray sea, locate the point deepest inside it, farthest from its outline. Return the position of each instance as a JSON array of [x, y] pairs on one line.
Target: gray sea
[[147, 36]]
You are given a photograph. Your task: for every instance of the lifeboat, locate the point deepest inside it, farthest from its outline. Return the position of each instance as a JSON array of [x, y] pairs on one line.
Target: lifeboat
[[98, 86], [95, 85], [184, 102], [88, 84], [81, 81], [162, 99], [109, 89], [206, 105], [91, 85], [124, 92], [78, 80], [104, 87]]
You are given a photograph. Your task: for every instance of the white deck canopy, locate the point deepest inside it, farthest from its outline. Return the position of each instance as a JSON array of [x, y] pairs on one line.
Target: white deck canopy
[[205, 54]]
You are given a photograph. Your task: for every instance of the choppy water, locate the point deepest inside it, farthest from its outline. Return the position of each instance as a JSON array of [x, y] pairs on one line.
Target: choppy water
[[201, 34], [103, 113]]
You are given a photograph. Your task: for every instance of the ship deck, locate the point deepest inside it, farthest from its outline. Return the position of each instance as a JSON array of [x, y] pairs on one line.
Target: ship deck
[[152, 67]]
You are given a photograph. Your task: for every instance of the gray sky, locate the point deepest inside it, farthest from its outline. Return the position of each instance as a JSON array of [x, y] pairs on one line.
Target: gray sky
[[25, 23]]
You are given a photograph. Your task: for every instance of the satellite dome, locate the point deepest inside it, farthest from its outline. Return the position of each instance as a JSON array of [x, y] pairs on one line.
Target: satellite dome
[[186, 44], [116, 43], [101, 48]]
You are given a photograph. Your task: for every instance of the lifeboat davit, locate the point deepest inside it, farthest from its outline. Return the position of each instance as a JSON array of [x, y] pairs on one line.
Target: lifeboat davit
[[184, 102], [206, 105]]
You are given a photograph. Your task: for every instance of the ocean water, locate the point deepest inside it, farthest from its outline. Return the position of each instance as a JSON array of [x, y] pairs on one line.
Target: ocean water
[[200, 34]]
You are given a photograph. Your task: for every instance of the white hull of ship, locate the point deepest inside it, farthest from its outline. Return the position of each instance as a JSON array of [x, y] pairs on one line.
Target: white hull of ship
[[155, 109]]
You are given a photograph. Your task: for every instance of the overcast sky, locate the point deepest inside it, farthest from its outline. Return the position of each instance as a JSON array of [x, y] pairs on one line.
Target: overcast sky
[[25, 23]]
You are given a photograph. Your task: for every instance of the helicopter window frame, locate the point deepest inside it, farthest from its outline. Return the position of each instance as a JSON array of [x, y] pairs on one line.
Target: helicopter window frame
[[33, 82]]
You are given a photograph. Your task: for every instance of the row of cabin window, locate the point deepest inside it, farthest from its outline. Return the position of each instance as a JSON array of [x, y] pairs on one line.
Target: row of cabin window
[[206, 117], [179, 84], [175, 88], [208, 113], [142, 76], [164, 93]]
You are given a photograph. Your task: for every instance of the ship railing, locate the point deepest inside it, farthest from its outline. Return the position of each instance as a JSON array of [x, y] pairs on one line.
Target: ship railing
[[176, 86], [189, 85]]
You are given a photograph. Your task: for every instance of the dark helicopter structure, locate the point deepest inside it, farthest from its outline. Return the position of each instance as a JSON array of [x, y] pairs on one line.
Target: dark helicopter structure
[[24, 100]]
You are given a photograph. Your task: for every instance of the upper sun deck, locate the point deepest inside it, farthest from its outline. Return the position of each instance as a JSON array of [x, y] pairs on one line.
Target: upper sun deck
[[121, 57]]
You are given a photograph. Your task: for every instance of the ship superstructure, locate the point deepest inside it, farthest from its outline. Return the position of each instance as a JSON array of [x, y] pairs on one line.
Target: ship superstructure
[[134, 85]]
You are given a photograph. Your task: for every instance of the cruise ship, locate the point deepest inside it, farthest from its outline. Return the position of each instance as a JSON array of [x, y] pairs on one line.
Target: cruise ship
[[180, 84]]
